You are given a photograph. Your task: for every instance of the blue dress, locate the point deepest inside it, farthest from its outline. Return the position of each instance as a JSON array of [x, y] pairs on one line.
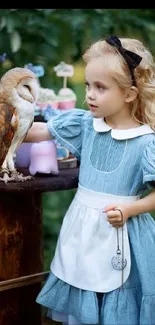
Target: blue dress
[[116, 162]]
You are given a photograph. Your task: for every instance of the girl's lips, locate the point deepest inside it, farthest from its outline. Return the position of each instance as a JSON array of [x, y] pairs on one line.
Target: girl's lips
[[92, 107]]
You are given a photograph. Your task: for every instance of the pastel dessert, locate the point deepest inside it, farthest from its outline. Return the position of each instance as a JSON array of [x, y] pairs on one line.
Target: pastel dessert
[[67, 98], [43, 158], [47, 97], [22, 157]]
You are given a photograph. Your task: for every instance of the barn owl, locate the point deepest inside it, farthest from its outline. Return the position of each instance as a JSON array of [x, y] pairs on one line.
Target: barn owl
[[18, 93]]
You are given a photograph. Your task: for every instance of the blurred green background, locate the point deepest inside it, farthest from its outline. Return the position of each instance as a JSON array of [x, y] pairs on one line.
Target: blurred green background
[[48, 36]]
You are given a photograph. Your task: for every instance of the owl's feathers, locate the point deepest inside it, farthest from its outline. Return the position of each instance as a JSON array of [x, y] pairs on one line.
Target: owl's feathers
[[18, 93], [6, 130]]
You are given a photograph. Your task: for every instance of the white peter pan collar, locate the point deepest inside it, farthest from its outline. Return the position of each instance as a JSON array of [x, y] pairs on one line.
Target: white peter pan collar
[[101, 126]]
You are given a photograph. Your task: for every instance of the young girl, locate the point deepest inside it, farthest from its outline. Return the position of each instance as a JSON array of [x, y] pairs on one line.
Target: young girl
[[103, 270]]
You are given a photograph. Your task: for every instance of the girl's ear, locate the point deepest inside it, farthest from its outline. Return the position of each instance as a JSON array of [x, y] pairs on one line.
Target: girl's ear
[[131, 94]]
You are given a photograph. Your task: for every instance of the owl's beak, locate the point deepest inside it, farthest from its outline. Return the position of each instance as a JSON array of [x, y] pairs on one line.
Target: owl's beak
[[31, 99]]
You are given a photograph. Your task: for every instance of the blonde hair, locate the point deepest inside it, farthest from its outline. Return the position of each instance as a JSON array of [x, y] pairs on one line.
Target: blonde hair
[[143, 107]]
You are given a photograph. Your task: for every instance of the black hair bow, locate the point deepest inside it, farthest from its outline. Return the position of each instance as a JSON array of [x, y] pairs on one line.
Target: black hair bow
[[131, 58]]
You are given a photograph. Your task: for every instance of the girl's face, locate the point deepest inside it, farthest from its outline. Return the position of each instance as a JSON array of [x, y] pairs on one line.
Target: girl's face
[[104, 97]]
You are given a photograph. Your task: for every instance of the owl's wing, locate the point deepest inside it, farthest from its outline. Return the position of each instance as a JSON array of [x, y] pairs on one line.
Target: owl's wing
[[7, 128]]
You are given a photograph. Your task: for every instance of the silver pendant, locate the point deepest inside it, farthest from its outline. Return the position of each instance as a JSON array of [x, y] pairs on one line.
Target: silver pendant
[[118, 262]]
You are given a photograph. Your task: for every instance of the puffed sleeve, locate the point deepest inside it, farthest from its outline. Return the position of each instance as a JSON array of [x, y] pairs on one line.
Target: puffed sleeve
[[148, 164], [66, 128]]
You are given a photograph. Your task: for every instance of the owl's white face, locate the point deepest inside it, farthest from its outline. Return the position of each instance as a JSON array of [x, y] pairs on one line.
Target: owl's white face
[[19, 86], [28, 89]]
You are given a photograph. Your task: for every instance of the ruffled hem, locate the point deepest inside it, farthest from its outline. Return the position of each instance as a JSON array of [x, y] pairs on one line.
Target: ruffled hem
[[129, 307], [61, 297], [122, 306], [64, 318], [147, 312]]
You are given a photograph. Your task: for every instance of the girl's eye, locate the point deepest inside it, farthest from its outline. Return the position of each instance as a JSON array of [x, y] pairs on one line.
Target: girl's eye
[[100, 87]]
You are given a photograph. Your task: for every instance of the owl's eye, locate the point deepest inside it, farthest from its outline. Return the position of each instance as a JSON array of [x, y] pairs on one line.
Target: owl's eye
[[28, 87]]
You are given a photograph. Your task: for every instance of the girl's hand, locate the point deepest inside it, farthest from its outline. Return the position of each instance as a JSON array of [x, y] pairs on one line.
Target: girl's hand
[[114, 216]]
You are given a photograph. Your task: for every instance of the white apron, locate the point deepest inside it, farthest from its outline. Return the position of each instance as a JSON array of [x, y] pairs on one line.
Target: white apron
[[87, 243]]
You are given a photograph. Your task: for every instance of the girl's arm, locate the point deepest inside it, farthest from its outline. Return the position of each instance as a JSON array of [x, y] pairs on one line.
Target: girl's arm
[[147, 204], [38, 132]]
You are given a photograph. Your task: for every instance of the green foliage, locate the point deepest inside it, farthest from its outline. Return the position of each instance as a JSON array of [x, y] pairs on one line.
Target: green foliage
[[48, 36]]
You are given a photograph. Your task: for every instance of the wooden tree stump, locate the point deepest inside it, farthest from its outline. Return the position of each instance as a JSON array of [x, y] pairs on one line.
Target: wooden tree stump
[[21, 245]]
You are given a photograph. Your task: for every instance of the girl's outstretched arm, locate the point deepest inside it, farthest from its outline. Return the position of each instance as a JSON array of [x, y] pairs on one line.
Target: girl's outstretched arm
[[146, 204], [38, 132]]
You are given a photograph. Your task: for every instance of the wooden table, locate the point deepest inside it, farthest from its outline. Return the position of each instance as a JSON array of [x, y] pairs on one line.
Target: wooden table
[[21, 244]]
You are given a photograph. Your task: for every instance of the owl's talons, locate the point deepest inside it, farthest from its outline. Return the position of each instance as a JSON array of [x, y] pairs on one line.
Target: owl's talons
[[4, 171], [19, 177], [13, 175], [6, 178]]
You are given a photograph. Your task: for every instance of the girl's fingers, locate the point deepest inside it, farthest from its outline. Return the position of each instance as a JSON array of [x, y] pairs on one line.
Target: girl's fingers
[[113, 214], [117, 225], [114, 217], [115, 222], [109, 207], [117, 218]]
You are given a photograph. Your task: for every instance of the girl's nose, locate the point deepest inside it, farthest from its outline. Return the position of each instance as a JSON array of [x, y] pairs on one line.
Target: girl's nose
[[90, 94]]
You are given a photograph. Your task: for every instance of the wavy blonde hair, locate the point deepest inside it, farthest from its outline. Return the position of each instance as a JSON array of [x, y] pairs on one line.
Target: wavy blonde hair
[[143, 107]]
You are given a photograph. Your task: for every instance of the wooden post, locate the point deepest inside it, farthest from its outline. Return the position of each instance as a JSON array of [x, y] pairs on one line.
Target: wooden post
[[21, 254], [21, 245]]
